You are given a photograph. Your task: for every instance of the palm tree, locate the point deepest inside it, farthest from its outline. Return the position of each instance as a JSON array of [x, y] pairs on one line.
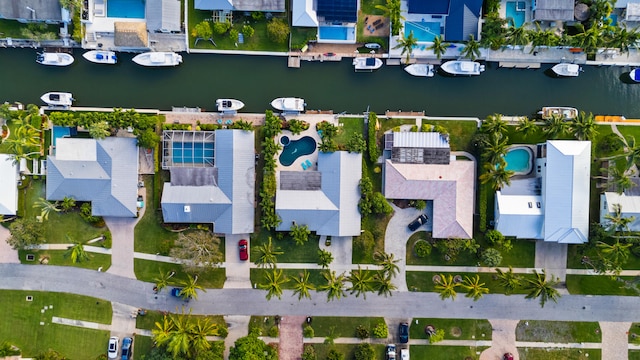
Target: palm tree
[[162, 332], [201, 329], [620, 179], [302, 286], [68, 203], [494, 148], [46, 207], [361, 282], [393, 11], [190, 288], [475, 289], [584, 126], [382, 283], [180, 340], [407, 44], [614, 255], [555, 126], [518, 35], [99, 130], [388, 262], [623, 38], [497, 175], [543, 38], [631, 151], [266, 254], [526, 126], [162, 281], [494, 124], [334, 286], [446, 287], [508, 280], [325, 258], [76, 252], [616, 223], [438, 47], [542, 288], [472, 49], [273, 285]]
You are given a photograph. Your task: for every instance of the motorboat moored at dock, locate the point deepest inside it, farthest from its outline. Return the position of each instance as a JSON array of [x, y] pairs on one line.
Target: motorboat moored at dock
[[462, 67], [289, 104], [55, 98], [54, 59], [101, 57]]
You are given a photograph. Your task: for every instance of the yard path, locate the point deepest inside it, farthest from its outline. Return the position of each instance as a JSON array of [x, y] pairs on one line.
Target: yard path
[[7, 254], [291, 342], [503, 340], [615, 340]]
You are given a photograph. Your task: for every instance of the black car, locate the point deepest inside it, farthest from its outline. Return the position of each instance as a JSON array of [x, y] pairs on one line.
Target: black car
[[421, 220], [403, 333]]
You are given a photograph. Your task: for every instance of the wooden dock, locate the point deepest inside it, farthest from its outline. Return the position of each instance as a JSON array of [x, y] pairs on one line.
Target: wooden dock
[[317, 112], [294, 62], [519, 65], [403, 113]]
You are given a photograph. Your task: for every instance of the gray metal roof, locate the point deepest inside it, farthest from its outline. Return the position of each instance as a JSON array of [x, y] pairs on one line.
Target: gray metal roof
[[241, 5], [44, 10], [554, 10], [331, 210], [227, 203], [419, 148], [163, 15], [109, 179], [300, 180]]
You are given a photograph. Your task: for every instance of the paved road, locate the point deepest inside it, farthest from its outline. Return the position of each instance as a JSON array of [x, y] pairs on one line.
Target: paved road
[[252, 302]]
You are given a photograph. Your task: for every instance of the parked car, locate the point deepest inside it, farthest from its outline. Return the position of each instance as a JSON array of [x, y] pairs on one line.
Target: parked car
[[404, 354], [176, 292], [242, 249], [112, 350], [421, 220], [127, 344], [507, 356], [403, 333], [391, 352]]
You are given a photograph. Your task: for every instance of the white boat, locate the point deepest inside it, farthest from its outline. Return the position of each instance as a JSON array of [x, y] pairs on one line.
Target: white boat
[[462, 67], [422, 70], [101, 56], [374, 46], [158, 58], [289, 104], [635, 75], [366, 63], [567, 113], [55, 98], [229, 105], [54, 59], [565, 69]]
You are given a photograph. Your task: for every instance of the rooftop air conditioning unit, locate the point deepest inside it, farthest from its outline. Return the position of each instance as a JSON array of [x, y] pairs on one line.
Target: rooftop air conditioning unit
[[187, 208]]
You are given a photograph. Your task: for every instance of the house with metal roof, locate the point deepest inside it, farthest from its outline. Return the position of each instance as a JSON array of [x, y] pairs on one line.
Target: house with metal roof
[[241, 5], [553, 10], [218, 190], [326, 200], [457, 19], [48, 11], [104, 172], [303, 13], [554, 205], [163, 15], [628, 202], [419, 166], [9, 184]]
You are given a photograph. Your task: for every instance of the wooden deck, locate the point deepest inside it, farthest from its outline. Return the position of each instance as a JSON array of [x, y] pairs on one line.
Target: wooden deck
[[519, 65], [403, 113]]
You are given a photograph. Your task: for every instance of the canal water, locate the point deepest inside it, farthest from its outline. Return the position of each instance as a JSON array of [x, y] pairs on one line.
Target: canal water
[[256, 80]]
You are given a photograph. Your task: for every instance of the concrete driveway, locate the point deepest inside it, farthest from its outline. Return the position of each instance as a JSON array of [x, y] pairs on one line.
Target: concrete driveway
[[7, 254], [237, 271], [395, 240]]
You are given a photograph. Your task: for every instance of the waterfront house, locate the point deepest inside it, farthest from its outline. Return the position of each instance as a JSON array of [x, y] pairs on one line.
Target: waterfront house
[[336, 20], [227, 6], [420, 166], [326, 200], [552, 202], [628, 201], [9, 184], [454, 19], [104, 172], [553, 10], [48, 11], [212, 179]]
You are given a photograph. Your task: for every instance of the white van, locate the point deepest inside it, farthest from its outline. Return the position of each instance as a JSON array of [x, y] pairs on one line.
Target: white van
[[404, 354]]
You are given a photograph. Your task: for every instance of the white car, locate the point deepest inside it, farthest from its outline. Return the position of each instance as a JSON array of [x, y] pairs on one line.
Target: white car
[[112, 351], [404, 354]]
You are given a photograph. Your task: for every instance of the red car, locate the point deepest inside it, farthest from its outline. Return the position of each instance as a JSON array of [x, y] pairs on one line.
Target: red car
[[508, 356], [242, 249]]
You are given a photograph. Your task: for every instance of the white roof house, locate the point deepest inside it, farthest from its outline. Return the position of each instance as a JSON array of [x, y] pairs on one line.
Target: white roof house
[[629, 202], [326, 201], [303, 14], [559, 212], [9, 184]]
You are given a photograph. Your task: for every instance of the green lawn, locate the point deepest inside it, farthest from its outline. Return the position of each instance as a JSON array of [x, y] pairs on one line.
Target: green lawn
[[634, 354], [461, 133], [348, 127], [348, 350], [441, 352], [149, 235], [558, 331], [22, 319], [293, 253], [602, 285], [264, 323], [14, 29], [342, 326], [368, 7], [455, 329], [559, 354], [142, 345], [147, 270], [634, 334], [56, 257], [315, 277], [574, 259], [423, 281], [300, 36]]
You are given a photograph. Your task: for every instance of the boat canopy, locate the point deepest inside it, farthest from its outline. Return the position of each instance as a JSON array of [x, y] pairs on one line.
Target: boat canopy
[[156, 57], [467, 66]]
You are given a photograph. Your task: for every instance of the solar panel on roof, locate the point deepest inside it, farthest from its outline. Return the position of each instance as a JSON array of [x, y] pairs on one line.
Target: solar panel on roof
[[337, 10]]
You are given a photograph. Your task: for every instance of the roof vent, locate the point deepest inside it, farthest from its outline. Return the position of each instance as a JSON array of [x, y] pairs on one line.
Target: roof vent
[[187, 208], [538, 204], [530, 204]]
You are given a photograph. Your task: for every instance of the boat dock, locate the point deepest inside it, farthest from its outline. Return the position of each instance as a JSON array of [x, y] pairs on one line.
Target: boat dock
[[519, 65]]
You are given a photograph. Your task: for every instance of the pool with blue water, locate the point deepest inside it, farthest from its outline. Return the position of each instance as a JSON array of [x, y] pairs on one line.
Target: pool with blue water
[[336, 33], [519, 160], [293, 149], [132, 9], [515, 11], [192, 153], [422, 30]]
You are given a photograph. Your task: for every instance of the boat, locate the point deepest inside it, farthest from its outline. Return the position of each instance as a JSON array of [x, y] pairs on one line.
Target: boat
[[462, 67], [366, 63], [289, 104], [635, 75], [567, 113], [229, 105], [55, 98], [101, 56], [158, 58], [54, 59], [422, 70], [374, 46], [566, 69]]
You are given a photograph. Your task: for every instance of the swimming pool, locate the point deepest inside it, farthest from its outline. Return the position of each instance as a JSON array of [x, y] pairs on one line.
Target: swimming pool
[[423, 30], [518, 160], [515, 13], [293, 149], [59, 132], [336, 33], [133, 9], [192, 153]]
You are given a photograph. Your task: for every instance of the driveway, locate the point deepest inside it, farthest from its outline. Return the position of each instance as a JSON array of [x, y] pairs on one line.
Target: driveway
[[7, 254], [395, 240], [237, 271], [553, 258], [503, 340]]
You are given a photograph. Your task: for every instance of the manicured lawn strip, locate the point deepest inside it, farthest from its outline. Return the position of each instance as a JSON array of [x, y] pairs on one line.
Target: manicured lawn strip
[[301, 35], [56, 257], [342, 326], [13, 29], [634, 334], [348, 127], [22, 319], [142, 345], [264, 323], [149, 233], [574, 259], [559, 354], [629, 131], [558, 331], [315, 277], [348, 350], [465, 329], [293, 253], [461, 133], [377, 225], [423, 281], [149, 320], [634, 354], [368, 7], [601, 285], [437, 352], [390, 123], [147, 270]]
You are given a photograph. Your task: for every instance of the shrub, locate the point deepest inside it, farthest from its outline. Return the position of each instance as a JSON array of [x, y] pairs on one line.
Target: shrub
[[436, 337], [6, 349], [498, 240], [491, 257], [106, 243], [257, 15], [372, 138], [334, 355], [414, 128], [233, 35], [420, 205], [274, 331], [362, 332], [277, 31], [610, 143], [220, 28], [440, 129], [422, 249], [356, 143], [309, 353], [308, 331], [380, 205], [426, 128], [364, 351], [380, 330], [248, 31]]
